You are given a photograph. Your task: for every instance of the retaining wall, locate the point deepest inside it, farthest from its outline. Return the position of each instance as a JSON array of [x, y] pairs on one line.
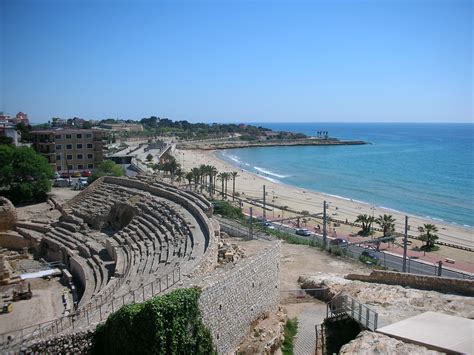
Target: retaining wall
[[232, 300], [422, 282]]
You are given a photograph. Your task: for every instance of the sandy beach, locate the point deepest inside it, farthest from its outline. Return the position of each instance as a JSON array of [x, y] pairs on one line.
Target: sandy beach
[[251, 185]]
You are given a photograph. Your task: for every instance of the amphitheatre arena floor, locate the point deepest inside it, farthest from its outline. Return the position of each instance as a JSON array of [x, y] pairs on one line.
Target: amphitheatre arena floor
[[45, 304]]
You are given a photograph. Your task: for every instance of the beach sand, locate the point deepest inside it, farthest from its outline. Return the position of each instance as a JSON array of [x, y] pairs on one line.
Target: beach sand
[[251, 185]]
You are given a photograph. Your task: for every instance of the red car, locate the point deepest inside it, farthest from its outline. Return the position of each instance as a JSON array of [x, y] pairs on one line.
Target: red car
[[65, 175], [86, 173]]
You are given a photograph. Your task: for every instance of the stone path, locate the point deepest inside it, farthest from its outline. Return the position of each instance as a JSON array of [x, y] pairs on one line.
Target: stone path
[[311, 315]]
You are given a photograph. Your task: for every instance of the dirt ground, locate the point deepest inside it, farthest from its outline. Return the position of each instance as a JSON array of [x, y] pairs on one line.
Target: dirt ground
[[45, 304]]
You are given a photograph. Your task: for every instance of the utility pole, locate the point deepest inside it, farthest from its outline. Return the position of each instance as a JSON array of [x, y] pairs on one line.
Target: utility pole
[[264, 207], [324, 226], [251, 225], [405, 243]]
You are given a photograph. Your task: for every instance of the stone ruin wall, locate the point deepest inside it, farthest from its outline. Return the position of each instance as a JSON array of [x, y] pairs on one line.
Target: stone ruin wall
[[232, 300], [7, 214], [421, 282]]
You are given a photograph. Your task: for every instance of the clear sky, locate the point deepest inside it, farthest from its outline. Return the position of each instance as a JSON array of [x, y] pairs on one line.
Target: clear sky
[[237, 61]]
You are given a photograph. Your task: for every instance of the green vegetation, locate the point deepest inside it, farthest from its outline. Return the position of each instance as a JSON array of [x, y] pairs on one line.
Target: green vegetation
[[290, 238], [366, 222], [289, 331], [106, 168], [168, 324], [427, 235], [24, 174], [225, 209]]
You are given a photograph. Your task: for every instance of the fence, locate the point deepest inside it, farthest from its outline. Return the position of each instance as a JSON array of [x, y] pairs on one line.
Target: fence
[[358, 311], [387, 260], [91, 315]]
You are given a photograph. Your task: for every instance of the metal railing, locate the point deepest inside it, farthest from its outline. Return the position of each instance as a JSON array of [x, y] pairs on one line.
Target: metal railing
[[358, 311], [91, 315]]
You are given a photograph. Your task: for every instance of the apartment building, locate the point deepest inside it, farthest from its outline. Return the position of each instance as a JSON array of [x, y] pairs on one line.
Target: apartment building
[[70, 149]]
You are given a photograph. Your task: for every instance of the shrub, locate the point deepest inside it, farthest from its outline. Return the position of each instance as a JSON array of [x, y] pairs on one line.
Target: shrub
[[290, 330], [225, 209], [168, 324]]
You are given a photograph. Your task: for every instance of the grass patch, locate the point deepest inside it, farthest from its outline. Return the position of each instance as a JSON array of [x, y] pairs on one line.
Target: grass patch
[[429, 248], [225, 209], [289, 331]]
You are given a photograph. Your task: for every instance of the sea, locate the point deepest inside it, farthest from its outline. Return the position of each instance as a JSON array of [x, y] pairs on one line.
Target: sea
[[422, 169]]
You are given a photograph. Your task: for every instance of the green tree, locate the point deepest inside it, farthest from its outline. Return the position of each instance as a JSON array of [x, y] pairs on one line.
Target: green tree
[[87, 125], [366, 222], [107, 168], [234, 174], [427, 235], [387, 223], [149, 157], [24, 174], [6, 140]]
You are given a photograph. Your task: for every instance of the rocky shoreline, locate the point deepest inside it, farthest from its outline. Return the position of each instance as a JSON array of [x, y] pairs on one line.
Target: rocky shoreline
[[209, 145]]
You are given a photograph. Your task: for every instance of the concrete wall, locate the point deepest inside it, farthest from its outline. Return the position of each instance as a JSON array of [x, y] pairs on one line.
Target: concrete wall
[[232, 300], [422, 282]]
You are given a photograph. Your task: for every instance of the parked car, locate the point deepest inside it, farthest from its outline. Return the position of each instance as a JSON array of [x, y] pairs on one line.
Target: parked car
[[62, 182], [370, 254], [268, 225], [339, 242], [303, 231], [81, 183], [76, 174], [86, 173], [65, 175], [56, 175]]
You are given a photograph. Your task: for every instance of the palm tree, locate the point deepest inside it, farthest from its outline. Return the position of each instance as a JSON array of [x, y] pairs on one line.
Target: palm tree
[[227, 178], [179, 175], [189, 176], [234, 174], [212, 179], [366, 222], [222, 177], [387, 223], [427, 234], [196, 176]]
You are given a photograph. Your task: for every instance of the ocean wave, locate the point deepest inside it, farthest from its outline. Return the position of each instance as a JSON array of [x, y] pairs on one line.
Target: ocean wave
[[262, 170], [271, 179]]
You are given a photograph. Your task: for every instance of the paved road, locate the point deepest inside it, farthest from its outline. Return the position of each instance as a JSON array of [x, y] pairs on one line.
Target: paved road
[[392, 261]]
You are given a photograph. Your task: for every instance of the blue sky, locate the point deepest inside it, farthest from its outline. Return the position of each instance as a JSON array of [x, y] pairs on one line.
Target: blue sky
[[238, 61]]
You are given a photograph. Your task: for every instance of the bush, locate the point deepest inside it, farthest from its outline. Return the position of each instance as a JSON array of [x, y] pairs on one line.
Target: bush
[[106, 168], [290, 330], [168, 324], [225, 209]]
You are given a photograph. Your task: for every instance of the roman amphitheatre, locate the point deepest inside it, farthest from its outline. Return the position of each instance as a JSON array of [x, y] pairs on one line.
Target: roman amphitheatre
[[127, 240]]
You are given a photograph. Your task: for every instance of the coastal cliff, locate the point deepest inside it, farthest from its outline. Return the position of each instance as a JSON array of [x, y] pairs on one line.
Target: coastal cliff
[[230, 144]]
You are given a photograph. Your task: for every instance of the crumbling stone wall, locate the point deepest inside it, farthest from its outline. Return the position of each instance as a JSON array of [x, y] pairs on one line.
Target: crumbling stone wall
[[232, 300], [7, 214], [77, 343], [421, 282]]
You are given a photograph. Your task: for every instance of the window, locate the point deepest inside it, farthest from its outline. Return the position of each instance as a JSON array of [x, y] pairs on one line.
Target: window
[[79, 135], [79, 157], [89, 135], [58, 157], [70, 167], [57, 136], [68, 146], [80, 167], [90, 156], [90, 166], [58, 146], [69, 157], [79, 146], [58, 168], [68, 136], [89, 145]]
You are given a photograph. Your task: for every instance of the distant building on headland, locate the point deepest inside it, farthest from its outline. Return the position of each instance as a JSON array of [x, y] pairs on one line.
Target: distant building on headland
[[122, 126], [70, 149], [20, 117]]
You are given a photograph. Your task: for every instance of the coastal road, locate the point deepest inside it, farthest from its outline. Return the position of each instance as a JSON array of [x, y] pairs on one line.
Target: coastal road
[[389, 260]]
